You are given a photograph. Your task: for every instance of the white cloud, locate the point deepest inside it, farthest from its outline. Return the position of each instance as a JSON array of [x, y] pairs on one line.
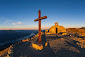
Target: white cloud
[[1, 18], [18, 23], [6, 21]]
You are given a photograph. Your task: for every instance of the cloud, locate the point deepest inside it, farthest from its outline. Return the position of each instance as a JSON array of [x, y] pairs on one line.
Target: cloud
[[1, 18], [18, 23], [6, 21]]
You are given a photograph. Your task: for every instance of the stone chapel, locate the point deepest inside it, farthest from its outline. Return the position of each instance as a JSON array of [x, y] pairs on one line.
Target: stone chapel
[[55, 29]]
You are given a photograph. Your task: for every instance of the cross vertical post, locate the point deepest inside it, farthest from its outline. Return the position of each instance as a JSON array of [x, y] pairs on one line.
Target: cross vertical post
[[39, 15], [39, 29]]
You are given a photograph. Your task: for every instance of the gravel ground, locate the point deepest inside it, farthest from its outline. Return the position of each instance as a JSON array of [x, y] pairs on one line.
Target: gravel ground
[[57, 47]]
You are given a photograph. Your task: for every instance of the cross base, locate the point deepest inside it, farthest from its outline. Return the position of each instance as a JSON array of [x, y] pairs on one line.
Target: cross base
[[39, 46]]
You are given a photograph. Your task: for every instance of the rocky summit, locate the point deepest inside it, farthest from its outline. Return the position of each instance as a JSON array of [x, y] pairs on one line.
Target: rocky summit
[[57, 46]]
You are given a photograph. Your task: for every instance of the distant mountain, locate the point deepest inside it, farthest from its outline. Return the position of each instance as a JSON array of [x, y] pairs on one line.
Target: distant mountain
[[82, 28], [71, 29], [81, 31], [7, 35]]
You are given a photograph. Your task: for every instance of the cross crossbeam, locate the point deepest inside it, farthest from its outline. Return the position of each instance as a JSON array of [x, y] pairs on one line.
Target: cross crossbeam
[[41, 18]]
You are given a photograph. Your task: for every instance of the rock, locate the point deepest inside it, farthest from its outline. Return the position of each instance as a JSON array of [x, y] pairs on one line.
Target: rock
[[25, 40]]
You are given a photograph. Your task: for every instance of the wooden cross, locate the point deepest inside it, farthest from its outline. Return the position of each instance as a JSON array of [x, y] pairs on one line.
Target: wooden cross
[[39, 19]]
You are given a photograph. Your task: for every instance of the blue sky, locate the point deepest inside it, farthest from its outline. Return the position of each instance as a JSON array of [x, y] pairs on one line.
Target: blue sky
[[20, 14]]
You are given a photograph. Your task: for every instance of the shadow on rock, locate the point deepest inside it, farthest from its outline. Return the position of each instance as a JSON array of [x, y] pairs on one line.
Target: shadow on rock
[[45, 52], [66, 53], [82, 50]]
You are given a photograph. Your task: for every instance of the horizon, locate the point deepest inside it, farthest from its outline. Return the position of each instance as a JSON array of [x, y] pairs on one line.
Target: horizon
[[20, 14], [37, 28]]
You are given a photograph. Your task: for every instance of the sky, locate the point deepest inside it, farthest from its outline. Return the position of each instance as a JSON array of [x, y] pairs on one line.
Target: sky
[[20, 14]]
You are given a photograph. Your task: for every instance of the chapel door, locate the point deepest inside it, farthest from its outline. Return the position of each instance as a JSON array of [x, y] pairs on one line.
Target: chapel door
[[56, 30]]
